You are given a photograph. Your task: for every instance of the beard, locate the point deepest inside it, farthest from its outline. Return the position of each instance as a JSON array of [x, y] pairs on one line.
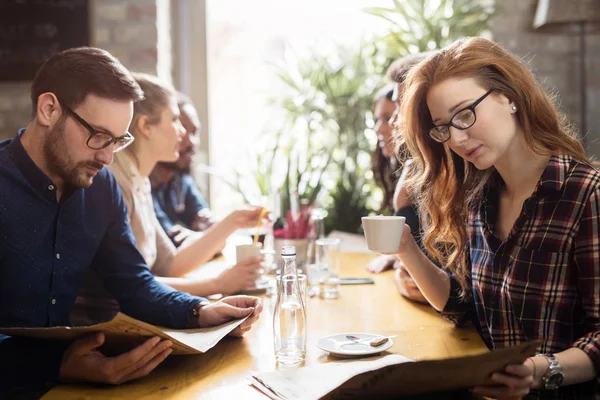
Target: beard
[[56, 153], [183, 164]]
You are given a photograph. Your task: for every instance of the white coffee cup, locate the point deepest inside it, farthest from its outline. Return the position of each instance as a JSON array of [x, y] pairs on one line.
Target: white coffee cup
[[383, 233], [246, 251]]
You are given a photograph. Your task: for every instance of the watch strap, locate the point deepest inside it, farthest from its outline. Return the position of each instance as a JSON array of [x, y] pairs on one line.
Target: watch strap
[[553, 369], [194, 312]]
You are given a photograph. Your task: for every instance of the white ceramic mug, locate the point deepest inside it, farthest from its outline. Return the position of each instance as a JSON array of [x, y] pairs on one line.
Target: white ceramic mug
[[383, 233]]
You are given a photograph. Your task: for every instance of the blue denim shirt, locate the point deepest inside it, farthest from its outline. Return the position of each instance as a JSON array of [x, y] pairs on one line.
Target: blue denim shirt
[[178, 201], [47, 247]]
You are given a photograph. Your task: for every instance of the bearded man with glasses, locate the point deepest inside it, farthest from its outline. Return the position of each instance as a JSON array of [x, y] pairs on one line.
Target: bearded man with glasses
[[62, 215]]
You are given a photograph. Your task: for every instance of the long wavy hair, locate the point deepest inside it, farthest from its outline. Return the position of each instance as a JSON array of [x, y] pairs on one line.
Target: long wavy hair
[[448, 187]]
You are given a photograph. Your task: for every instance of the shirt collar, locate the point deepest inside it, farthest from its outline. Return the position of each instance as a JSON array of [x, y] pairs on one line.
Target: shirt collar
[[552, 179], [36, 177], [554, 174]]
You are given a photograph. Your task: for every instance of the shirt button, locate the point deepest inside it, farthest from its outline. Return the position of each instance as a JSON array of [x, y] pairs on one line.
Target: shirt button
[[58, 256], [50, 187], [53, 301]]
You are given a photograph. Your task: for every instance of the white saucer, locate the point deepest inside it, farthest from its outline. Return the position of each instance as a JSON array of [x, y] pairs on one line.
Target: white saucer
[[340, 346]]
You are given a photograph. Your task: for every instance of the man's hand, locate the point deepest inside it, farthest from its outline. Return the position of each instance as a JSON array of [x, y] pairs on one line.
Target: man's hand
[[82, 362], [239, 277], [179, 234], [202, 221], [407, 286], [233, 307]]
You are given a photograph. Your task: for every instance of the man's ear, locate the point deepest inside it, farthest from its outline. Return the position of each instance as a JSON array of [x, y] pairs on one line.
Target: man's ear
[[48, 109], [143, 126]]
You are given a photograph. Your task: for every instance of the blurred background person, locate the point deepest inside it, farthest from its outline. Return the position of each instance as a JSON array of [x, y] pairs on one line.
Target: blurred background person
[[180, 206], [386, 165]]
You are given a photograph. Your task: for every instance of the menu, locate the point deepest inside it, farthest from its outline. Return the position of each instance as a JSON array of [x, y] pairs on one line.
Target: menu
[[389, 376], [124, 332]]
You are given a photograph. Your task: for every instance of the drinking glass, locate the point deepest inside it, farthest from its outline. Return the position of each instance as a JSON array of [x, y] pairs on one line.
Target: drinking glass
[[328, 267]]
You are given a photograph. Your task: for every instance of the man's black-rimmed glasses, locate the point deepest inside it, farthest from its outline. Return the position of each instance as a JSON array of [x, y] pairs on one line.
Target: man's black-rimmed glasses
[[98, 139]]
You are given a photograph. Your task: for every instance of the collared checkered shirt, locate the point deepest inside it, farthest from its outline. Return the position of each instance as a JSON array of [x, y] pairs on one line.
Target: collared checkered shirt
[[543, 281]]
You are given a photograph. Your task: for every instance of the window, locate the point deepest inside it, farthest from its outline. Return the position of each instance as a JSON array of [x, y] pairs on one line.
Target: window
[[244, 38]]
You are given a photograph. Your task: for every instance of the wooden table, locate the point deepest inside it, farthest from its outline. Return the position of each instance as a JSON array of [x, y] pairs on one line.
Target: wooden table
[[221, 372]]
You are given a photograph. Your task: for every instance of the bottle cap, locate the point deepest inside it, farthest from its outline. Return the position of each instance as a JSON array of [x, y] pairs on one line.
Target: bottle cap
[[288, 251]]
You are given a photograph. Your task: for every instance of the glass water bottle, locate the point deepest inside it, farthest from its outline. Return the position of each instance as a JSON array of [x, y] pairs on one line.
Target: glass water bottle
[[289, 317]]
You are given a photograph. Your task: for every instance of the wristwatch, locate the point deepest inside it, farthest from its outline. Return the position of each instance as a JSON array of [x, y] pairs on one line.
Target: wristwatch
[[554, 377], [194, 312]]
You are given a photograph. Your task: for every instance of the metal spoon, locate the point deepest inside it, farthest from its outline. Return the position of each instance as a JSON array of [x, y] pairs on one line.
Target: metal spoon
[[373, 342]]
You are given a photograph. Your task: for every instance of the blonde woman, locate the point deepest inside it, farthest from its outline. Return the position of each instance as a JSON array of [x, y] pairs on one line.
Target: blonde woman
[[511, 207], [157, 132]]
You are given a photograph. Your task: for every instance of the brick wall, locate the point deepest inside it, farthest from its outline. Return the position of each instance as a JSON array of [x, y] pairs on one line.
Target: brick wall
[[127, 29], [555, 60]]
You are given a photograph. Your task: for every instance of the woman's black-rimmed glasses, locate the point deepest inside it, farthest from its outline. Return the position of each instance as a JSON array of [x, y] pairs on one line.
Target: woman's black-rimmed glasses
[[463, 119]]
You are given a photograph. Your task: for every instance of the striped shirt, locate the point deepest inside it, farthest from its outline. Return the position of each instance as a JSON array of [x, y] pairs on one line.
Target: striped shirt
[[543, 281]]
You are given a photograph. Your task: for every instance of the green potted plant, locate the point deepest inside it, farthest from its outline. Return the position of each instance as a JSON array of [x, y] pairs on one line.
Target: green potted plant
[[324, 147]]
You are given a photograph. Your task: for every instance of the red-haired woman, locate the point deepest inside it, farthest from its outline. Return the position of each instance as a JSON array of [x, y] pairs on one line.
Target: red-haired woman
[[512, 209]]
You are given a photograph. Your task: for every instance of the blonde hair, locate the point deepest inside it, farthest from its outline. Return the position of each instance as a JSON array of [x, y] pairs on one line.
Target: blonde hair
[[157, 94], [448, 188]]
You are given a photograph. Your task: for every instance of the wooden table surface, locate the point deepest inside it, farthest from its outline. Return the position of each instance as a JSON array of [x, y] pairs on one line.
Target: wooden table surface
[[221, 372]]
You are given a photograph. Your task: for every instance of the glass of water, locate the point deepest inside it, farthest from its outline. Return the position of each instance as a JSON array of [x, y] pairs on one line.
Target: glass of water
[[328, 267]]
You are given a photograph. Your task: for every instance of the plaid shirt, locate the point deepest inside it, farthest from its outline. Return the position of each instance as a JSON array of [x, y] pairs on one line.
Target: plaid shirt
[[543, 281]]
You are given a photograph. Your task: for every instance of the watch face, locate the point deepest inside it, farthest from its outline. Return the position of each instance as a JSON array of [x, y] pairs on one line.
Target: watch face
[[554, 381]]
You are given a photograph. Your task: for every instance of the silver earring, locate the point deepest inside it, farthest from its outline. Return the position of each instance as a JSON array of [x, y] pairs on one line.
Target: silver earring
[[514, 108]]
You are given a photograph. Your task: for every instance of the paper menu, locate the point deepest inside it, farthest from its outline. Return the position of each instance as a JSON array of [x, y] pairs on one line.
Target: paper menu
[[388, 377], [123, 332], [203, 339], [315, 382]]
